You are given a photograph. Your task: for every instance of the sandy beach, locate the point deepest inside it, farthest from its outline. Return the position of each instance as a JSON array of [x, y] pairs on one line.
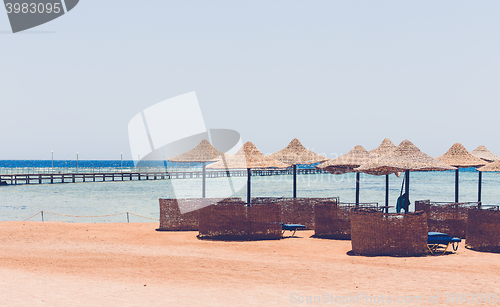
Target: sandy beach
[[70, 264]]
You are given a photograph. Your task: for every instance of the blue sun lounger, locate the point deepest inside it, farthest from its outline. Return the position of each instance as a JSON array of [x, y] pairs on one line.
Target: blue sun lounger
[[439, 239], [291, 227]]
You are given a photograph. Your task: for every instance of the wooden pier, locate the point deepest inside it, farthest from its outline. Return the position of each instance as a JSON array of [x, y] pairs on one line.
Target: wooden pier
[[15, 179]]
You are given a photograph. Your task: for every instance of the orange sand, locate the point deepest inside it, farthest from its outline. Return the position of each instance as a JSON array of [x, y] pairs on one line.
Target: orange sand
[[66, 264]]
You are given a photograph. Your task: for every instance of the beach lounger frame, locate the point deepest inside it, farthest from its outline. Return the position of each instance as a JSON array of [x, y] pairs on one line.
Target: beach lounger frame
[[291, 227], [438, 239]]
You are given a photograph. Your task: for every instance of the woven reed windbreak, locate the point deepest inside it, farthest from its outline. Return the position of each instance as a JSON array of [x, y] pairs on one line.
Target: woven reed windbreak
[[237, 221], [333, 220], [375, 233], [296, 210], [299, 211], [483, 230], [449, 218], [264, 200], [172, 219]]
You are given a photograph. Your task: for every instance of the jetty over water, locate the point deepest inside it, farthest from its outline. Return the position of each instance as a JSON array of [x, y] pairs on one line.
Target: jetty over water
[[51, 178]]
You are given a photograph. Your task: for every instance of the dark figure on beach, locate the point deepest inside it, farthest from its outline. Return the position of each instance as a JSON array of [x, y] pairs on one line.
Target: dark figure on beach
[[402, 203]]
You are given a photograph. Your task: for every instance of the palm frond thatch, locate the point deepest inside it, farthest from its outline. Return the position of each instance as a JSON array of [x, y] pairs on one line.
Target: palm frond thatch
[[482, 153], [491, 167], [203, 152], [406, 156], [458, 156], [248, 156], [296, 153], [348, 162]]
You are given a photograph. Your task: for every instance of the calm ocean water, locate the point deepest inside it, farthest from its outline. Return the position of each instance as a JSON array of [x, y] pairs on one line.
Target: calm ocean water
[[141, 197]]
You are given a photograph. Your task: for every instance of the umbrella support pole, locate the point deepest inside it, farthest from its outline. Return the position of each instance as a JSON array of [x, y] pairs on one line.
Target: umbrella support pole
[[386, 193], [407, 188], [294, 181], [479, 187], [456, 185], [204, 179], [357, 188], [249, 175]]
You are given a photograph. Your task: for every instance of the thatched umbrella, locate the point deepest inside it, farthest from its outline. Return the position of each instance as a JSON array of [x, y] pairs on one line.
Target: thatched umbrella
[[491, 167], [459, 157], [295, 154], [347, 163], [203, 152], [385, 148], [406, 157], [248, 157], [482, 153]]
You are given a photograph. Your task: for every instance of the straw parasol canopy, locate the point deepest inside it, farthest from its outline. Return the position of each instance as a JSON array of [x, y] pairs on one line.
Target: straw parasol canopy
[[482, 153], [491, 167], [459, 157], [248, 157], [386, 147], [406, 157], [203, 152], [295, 154], [348, 162]]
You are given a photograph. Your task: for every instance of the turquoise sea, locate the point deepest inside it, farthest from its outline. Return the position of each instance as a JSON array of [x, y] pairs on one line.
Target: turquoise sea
[[18, 202]]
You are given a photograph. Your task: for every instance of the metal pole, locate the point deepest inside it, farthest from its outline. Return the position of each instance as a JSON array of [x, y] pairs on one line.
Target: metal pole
[[203, 185], [77, 161], [456, 185], [479, 187], [387, 193], [295, 181], [357, 188], [249, 175], [128, 221], [407, 188], [42, 215], [139, 157]]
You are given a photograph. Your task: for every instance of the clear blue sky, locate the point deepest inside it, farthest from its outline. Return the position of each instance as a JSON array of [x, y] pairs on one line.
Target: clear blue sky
[[332, 73]]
